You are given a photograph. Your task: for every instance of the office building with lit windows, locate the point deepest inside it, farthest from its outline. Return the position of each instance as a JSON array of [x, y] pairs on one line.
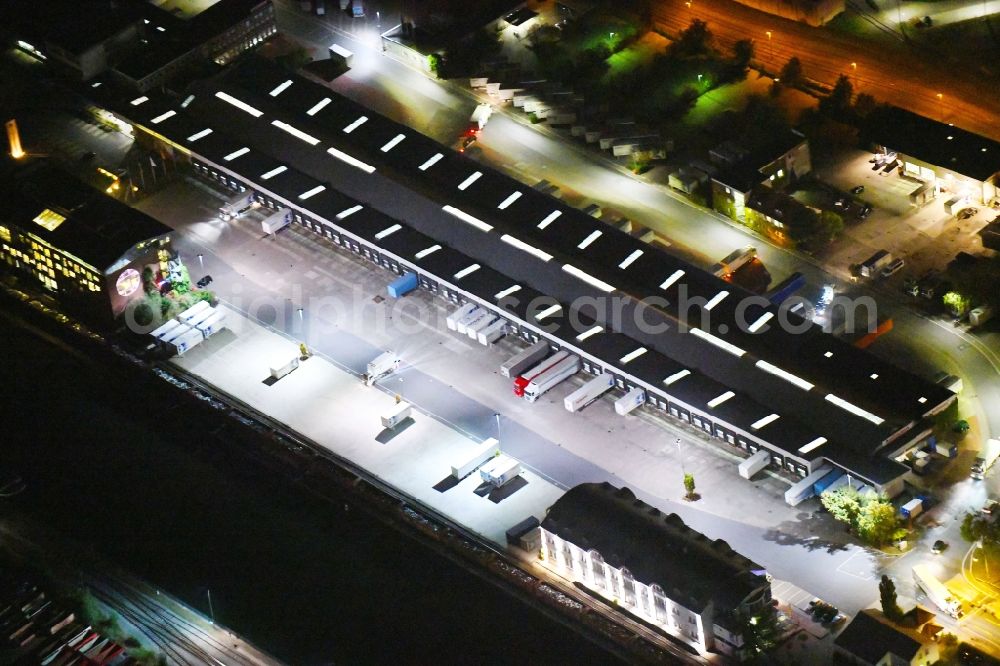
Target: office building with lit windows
[[654, 566], [85, 248]]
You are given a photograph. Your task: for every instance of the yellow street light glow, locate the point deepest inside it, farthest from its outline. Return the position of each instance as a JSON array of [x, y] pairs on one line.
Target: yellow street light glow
[[466, 271], [318, 106], [431, 162], [468, 219], [354, 162], [14, 140], [549, 219], [296, 132]]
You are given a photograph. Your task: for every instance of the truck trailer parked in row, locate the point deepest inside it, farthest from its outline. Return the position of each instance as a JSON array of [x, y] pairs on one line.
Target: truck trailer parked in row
[[492, 333], [452, 319], [521, 381], [276, 221], [589, 392], [402, 285], [236, 205], [754, 463], [467, 464], [523, 360], [982, 464], [396, 414], [630, 401], [564, 369], [500, 470]]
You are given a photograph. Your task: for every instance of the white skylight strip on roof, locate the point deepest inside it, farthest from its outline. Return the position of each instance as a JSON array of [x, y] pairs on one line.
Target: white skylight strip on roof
[[356, 124], [589, 332], [393, 142], [677, 376], [630, 259], [784, 374], [548, 312], [473, 177], [388, 231], [465, 271], [760, 423], [507, 292], [763, 319], [632, 355], [96, 84], [200, 135], [468, 219], [815, 444], [349, 211], [160, 28], [718, 298], [274, 172], [241, 105], [354, 162], [313, 192], [163, 116], [854, 409], [431, 162], [549, 219], [236, 153], [296, 132], [280, 88], [530, 249], [514, 196], [588, 278], [426, 251], [674, 277], [139, 100], [318, 106], [718, 342], [585, 243], [715, 402]]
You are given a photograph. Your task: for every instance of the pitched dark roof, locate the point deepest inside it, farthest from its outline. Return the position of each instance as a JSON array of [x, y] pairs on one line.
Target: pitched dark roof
[[656, 548], [97, 228], [933, 142], [869, 639]]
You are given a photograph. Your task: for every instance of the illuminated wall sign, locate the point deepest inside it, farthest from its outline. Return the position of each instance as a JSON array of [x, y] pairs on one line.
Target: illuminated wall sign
[[128, 282]]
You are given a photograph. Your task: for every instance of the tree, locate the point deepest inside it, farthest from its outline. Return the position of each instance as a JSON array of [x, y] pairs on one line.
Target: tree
[[791, 73], [830, 225], [843, 503], [743, 53], [837, 104], [878, 522], [689, 484], [864, 104], [887, 594], [694, 40], [760, 633]]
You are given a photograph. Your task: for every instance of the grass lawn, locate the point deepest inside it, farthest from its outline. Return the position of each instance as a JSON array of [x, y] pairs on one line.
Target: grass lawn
[[636, 55]]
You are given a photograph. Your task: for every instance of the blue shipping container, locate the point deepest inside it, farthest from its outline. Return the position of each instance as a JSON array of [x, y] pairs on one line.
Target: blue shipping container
[[786, 288], [826, 481], [402, 285]]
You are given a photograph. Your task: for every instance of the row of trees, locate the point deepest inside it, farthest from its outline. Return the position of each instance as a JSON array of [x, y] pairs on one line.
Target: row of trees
[[872, 517]]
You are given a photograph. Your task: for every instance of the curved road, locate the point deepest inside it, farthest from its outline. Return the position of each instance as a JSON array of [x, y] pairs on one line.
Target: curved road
[[898, 74]]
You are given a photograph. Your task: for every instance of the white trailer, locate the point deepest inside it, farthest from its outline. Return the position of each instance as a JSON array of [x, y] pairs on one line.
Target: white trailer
[[201, 316], [236, 205], [396, 414], [282, 365], [630, 401], [473, 329], [213, 324], [565, 368], [980, 315], [339, 54], [523, 360], [982, 464], [452, 319], [277, 221], [382, 365], [493, 332], [164, 330], [185, 341], [462, 325], [803, 490], [936, 591], [480, 115], [467, 464], [754, 463], [589, 392], [500, 470], [912, 509], [193, 312]]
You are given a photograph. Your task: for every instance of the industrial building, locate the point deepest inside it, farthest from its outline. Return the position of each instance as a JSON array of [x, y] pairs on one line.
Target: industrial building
[[654, 566], [950, 162], [872, 639], [143, 44], [85, 248], [702, 350]]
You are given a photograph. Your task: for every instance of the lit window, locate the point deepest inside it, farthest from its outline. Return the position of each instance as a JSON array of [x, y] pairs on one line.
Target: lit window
[[49, 219]]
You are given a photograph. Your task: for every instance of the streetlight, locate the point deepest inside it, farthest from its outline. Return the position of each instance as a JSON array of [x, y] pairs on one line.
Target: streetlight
[[769, 48], [498, 426], [210, 609], [940, 98]]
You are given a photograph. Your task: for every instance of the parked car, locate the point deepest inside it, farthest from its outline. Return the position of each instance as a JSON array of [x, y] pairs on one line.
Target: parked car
[[911, 287], [858, 189], [966, 213], [991, 507], [939, 547], [865, 212], [204, 282], [893, 268]]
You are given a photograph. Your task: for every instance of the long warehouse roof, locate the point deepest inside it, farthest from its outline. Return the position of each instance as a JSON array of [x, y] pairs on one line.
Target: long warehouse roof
[[296, 137]]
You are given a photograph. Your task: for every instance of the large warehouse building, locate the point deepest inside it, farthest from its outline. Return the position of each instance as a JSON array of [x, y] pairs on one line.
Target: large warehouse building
[[704, 352]]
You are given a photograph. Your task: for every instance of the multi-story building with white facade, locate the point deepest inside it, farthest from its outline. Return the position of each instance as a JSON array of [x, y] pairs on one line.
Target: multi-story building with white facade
[[654, 566]]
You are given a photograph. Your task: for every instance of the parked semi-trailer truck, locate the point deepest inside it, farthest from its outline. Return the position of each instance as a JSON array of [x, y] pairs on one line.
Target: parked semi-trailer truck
[[589, 392], [982, 464], [492, 333], [936, 591], [236, 205], [523, 360], [630, 401], [521, 381], [276, 221], [452, 319], [462, 325], [472, 330], [541, 383], [382, 365]]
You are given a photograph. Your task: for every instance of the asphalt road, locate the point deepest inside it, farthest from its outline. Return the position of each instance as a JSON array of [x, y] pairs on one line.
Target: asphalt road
[[896, 73]]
